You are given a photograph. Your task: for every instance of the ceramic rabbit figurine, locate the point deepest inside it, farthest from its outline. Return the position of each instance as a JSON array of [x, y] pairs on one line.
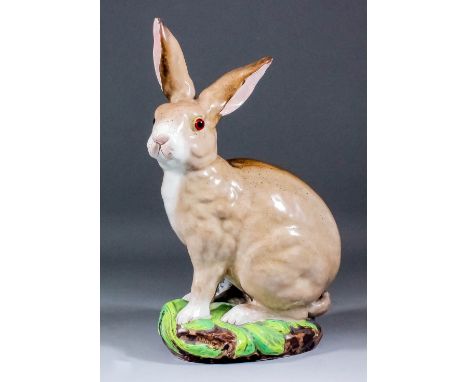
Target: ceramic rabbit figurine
[[254, 224]]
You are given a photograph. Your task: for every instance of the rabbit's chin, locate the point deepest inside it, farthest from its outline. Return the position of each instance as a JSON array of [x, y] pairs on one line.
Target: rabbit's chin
[[170, 164]]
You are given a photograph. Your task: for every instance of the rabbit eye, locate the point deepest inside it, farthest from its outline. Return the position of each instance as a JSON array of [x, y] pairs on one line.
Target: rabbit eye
[[199, 124], [154, 120]]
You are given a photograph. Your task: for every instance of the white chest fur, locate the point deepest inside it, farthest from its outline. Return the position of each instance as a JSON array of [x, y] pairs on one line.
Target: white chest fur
[[170, 193]]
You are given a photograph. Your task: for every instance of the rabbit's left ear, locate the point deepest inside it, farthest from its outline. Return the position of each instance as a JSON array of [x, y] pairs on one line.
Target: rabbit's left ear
[[170, 66], [230, 91]]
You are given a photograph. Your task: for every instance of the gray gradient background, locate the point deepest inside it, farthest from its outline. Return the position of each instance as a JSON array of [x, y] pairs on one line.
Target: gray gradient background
[[307, 114]]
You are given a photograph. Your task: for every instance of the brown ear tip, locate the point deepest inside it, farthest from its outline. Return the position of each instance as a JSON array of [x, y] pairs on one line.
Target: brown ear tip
[[265, 60]]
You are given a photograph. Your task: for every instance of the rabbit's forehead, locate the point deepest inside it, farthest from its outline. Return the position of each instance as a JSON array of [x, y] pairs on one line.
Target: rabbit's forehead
[[177, 110]]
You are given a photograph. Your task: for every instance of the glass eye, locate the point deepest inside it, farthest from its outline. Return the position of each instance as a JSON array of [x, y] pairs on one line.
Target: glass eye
[[199, 124]]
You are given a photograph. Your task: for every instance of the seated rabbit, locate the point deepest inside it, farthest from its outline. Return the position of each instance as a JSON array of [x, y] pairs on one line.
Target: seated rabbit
[[254, 224]]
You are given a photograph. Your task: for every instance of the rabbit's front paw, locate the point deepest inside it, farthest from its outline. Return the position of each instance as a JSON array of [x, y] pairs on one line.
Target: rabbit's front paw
[[193, 311]]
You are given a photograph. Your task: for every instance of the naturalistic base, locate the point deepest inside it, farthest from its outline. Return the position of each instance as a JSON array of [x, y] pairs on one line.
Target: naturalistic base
[[214, 341]]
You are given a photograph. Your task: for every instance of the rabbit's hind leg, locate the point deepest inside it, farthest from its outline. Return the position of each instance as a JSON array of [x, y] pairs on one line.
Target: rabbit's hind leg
[[253, 311]]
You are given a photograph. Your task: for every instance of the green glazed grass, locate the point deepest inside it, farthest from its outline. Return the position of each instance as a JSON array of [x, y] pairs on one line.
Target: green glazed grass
[[265, 338]]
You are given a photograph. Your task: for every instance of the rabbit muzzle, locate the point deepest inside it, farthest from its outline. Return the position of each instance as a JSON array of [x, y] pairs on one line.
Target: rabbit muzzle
[[161, 139], [158, 145], [169, 145]]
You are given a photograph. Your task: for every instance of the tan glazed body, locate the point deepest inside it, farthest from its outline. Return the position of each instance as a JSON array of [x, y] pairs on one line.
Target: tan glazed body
[[256, 225]]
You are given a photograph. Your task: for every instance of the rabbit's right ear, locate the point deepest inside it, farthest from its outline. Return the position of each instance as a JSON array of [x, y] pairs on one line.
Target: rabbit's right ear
[[170, 66], [230, 91]]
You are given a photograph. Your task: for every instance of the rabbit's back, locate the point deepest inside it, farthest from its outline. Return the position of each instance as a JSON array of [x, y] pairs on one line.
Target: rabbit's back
[[283, 197]]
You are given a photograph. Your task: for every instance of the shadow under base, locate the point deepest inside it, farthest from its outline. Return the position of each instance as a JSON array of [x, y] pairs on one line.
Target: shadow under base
[[214, 341]]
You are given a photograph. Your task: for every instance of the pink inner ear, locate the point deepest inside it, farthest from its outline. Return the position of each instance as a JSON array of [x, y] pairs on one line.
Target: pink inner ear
[[244, 92], [157, 49]]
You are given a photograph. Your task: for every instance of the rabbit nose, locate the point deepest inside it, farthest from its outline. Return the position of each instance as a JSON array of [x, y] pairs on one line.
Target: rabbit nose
[[161, 139]]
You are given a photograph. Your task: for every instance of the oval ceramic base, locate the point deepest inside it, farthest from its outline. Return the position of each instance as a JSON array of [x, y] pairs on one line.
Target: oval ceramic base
[[214, 341]]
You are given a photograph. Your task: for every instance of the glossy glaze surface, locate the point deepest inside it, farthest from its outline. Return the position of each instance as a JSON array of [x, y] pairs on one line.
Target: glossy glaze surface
[[259, 226]]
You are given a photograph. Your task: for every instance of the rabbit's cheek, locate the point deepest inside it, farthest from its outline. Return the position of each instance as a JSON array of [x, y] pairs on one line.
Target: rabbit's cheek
[[179, 148], [203, 147], [198, 150]]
